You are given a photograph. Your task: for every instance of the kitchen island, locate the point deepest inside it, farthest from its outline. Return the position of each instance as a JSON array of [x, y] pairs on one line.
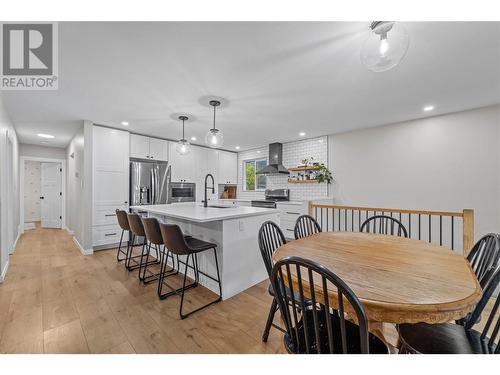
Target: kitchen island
[[233, 228]]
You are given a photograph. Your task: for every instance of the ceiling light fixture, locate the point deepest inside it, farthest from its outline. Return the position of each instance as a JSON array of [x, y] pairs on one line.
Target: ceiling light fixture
[[237, 147], [385, 46], [182, 146], [41, 135], [302, 134], [125, 123], [428, 108], [214, 137], [193, 139]]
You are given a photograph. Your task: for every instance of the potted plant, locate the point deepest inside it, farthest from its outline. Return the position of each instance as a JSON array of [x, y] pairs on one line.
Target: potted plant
[[324, 175]]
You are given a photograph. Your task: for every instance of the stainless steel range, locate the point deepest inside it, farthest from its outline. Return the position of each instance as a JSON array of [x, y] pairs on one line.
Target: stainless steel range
[[271, 197]]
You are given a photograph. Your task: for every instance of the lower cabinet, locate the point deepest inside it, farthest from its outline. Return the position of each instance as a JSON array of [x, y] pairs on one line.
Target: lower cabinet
[[107, 234], [288, 217]]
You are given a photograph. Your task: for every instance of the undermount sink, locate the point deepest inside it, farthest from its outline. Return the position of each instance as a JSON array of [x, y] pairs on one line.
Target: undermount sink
[[215, 206]]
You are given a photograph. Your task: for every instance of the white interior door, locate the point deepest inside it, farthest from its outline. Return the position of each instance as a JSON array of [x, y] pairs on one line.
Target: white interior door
[[51, 198]]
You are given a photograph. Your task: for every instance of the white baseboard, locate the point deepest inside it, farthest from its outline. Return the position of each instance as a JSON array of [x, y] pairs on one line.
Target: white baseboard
[[4, 272], [82, 250], [72, 232], [15, 244]]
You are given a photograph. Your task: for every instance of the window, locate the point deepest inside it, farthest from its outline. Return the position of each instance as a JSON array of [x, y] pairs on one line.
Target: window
[[254, 181]]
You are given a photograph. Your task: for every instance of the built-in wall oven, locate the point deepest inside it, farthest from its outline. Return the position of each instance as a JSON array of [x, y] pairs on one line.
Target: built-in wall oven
[[182, 192]]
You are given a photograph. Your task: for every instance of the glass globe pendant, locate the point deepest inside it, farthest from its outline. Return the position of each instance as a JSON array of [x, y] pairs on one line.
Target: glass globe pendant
[[183, 147], [385, 46], [214, 137]]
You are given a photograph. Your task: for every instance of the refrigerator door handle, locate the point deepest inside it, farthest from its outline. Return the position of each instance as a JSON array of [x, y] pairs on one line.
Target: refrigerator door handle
[[153, 193]]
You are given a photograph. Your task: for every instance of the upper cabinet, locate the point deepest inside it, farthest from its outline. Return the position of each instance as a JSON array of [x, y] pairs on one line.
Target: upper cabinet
[[148, 148], [184, 167], [227, 171], [110, 150]]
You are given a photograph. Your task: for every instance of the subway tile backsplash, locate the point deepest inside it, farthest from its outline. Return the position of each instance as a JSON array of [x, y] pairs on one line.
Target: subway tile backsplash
[[293, 154]]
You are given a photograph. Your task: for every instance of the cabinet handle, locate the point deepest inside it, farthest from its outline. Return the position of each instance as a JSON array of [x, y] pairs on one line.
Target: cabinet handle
[[293, 213], [290, 230], [110, 234], [108, 215]]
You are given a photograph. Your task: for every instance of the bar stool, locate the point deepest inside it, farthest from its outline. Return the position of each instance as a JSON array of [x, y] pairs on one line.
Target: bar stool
[[123, 223], [178, 244], [153, 237], [137, 229]]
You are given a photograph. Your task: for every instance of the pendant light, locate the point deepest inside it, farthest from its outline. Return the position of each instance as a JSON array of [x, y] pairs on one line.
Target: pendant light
[[385, 46], [214, 137], [183, 146]]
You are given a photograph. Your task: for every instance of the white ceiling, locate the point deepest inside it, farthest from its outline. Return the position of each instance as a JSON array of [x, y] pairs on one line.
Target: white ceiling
[[277, 79]]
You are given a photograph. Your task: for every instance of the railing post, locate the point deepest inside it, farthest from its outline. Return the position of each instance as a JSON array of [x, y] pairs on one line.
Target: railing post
[[310, 208], [468, 230]]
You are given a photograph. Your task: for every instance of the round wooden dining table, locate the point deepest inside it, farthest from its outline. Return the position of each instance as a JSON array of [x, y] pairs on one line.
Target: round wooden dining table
[[398, 280]]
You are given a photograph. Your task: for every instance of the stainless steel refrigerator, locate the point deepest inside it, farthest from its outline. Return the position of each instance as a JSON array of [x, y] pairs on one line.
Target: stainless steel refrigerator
[[149, 182]]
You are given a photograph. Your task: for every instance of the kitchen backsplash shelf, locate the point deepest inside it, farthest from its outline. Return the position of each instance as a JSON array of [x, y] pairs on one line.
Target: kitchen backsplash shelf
[[300, 169], [291, 181]]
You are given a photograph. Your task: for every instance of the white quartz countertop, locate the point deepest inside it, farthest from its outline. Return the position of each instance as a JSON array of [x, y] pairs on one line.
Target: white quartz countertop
[[197, 213]]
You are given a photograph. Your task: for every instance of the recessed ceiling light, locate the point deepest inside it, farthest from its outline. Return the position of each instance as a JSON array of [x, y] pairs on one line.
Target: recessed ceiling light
[[237, 147], [428, 108], [193, 138], [302, 134], [258, 151], [125, 123], [44, 142], [45, 136]]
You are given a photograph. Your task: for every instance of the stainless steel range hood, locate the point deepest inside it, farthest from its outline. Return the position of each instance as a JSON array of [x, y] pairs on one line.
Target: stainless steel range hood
[[275, 165]]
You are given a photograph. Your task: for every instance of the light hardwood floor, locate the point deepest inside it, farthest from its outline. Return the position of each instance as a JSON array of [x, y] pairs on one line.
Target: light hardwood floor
[[55, 300]]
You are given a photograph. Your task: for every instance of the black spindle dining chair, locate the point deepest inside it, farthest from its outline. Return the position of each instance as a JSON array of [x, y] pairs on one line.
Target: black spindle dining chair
[[485, 256], [270, 238], [318, 328], [383, 224], [306, 226], [449, 338]]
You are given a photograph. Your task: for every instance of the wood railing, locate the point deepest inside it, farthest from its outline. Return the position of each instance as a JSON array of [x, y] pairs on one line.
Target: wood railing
[[454, 230]]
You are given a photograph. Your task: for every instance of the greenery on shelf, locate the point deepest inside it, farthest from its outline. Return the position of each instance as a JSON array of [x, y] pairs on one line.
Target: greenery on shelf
[[324, 174]]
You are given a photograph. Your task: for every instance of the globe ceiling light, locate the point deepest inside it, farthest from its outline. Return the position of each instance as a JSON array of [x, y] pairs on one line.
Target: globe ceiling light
[[214, 137], [385, 46], [183, 147]]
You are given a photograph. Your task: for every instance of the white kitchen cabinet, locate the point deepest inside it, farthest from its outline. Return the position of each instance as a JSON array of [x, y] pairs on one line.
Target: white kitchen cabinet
[[139, 146], [227, 168], [110, 169], [184, 167], [156, 149], [289, 215], [143, 147], [207, 162]]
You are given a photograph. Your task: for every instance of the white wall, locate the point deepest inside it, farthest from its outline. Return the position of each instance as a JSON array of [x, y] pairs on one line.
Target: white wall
[[79, 186], [448, 162], [9, 188], [74, 186], [42, 151]]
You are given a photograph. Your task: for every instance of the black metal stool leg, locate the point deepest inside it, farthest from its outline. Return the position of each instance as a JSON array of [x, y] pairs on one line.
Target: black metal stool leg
[[120, 251], [218, 274], [142, 265], [195, 263], [130, 250]]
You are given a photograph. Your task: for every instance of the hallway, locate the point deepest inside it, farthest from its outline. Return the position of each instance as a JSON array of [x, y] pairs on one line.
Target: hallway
[[54, 300]]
